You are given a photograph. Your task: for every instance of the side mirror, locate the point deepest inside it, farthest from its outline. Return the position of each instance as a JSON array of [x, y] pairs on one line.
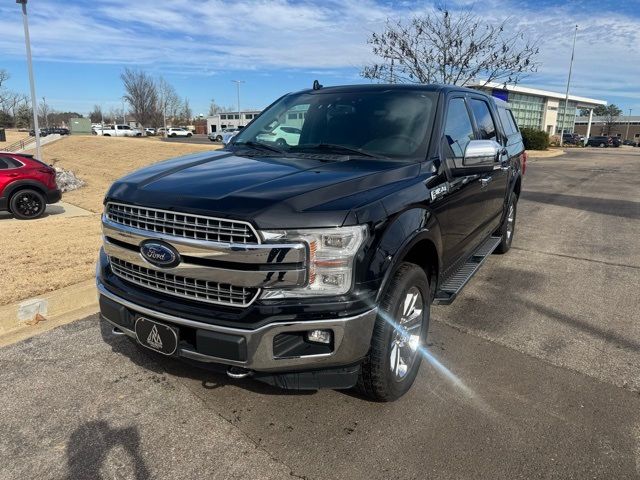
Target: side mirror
[[481, 153]]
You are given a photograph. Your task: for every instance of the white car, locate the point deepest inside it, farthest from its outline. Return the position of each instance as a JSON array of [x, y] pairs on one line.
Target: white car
[[282, 135], [178, 132], [119, 130], [150, 131]]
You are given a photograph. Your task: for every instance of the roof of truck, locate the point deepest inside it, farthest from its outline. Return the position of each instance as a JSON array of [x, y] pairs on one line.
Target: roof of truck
[[391, 86]]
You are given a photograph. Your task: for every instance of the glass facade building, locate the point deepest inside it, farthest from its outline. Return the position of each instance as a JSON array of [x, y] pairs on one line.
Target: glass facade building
[[528, 109]]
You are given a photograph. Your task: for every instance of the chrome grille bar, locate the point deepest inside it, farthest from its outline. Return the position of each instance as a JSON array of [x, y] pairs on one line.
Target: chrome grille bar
[[179, 224], [191, 288]]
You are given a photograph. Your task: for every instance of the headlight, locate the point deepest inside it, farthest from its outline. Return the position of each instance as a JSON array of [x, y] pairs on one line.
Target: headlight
[[331, 255]]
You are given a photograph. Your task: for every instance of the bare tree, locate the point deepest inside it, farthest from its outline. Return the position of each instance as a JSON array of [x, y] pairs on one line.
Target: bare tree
[[43, 112], [96, 115], [169, 102], [451, 47], [214, 108], [141, 95]]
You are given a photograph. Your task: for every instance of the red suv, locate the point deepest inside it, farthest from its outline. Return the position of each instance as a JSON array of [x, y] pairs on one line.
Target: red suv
[[26, 185]]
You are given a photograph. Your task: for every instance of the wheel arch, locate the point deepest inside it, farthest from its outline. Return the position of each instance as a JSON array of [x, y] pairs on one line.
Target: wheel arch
[[420, 243]]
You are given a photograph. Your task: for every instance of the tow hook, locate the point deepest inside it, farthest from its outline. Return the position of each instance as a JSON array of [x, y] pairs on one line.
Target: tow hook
[[238, 372], [117, 331]]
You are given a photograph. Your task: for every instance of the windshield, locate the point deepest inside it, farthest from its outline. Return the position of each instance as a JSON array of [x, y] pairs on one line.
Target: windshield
[[392, 124]]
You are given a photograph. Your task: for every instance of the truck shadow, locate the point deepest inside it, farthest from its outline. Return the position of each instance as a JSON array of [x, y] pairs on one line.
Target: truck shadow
[[618, 208]]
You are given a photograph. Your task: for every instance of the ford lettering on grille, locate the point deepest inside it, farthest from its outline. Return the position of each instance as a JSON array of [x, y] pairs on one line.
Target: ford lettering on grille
[[159, 254]]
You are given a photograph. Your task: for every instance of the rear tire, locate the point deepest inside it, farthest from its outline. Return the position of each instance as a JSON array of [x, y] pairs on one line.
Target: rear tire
[[27, 204], [508, 227], [390, 368]]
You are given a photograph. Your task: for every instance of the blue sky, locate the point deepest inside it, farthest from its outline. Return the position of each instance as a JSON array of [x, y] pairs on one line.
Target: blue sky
[[80, 47]]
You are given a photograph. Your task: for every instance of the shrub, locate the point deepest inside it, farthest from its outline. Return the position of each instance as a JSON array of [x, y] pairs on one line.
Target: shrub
[[534, 139]]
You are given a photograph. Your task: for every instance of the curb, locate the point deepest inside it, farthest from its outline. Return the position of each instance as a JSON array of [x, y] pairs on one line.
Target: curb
[[64, 306]]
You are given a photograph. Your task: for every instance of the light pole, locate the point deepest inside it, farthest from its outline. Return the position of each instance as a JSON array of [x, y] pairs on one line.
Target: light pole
[[124, 117], [238, 82], [626, 137], [566, 97], [34, 102]]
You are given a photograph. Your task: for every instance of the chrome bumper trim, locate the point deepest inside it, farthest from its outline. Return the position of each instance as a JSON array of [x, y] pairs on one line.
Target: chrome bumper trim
[[352, 338]]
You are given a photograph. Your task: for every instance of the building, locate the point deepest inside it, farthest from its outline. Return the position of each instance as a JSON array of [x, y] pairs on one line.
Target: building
[[618, 128], [222, 120], [540, 109]]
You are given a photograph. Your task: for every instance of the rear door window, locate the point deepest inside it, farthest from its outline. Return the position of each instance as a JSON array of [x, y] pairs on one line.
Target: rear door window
[[484, 120], [8, 162]]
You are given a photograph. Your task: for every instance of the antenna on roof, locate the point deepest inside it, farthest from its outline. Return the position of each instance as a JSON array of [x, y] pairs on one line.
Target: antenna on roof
[[316, 85]]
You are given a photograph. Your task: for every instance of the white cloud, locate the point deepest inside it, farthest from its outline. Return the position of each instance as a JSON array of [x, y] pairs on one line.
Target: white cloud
[[209, 36]]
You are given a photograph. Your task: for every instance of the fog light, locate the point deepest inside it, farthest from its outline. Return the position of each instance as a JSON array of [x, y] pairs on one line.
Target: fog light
[[319, 336]]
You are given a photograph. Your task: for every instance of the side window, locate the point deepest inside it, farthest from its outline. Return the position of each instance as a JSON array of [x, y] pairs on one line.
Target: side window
[[484, 121], [507, 123], [458, 131], [3, 163]]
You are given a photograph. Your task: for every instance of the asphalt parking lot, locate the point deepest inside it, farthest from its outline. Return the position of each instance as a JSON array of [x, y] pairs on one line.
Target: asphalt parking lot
[[535, 373]]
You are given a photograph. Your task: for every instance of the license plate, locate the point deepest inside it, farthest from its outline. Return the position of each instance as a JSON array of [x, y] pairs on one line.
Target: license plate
[[156, 336]]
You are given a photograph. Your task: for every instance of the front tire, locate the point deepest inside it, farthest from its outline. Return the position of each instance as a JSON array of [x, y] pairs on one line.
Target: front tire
[[189, 135], [393, 361], [508, 227], [27, 204]]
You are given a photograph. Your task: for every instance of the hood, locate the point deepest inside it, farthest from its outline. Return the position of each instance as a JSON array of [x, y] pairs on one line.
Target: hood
[[272, 192]]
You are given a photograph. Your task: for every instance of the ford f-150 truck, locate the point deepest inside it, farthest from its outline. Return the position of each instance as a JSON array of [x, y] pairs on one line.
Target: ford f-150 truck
[[314, 262]]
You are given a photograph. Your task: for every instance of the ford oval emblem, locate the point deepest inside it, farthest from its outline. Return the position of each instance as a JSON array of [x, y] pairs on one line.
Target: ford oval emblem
[[159, 254]]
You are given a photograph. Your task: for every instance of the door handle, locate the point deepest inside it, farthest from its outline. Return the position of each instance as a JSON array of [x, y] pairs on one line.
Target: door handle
[[505, 168], [14, 174], [485, 181]]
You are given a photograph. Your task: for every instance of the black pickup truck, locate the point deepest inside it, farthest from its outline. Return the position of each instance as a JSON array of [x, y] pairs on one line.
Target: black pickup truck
[[311, 261]]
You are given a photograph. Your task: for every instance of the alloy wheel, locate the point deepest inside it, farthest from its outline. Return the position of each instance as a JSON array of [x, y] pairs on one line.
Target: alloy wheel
[[28, 204], [406, 336]]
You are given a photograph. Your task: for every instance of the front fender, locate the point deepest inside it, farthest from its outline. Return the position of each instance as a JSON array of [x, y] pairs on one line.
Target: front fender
[[396, 238]]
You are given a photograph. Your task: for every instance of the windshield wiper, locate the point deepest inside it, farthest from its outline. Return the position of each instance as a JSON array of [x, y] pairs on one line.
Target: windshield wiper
[[333, 148], [258, 145]]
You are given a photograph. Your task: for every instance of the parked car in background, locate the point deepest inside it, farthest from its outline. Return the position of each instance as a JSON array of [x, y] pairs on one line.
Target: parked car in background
[[118, 130], [43, 132], [629, 142], [570, 139], [282, 135], [150, 131], [600, 141], [27, 185], [217, 136], [178, 132], [616, 141]]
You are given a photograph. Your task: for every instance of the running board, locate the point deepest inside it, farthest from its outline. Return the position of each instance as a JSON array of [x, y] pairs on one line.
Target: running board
[[452, 286]]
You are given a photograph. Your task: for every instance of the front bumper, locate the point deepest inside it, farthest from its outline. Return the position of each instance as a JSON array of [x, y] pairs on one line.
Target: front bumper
[[252, 349]]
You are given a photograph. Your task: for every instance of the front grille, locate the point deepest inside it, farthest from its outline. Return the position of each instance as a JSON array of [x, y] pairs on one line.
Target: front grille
[[181, 224], [195, 289]]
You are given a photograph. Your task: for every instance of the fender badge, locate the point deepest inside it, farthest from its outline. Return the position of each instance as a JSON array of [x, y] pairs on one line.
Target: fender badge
[[439, 191]]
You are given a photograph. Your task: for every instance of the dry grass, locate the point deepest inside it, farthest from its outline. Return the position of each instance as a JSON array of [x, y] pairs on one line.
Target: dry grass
[[101, 160], [47, 255], [56, 251]]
